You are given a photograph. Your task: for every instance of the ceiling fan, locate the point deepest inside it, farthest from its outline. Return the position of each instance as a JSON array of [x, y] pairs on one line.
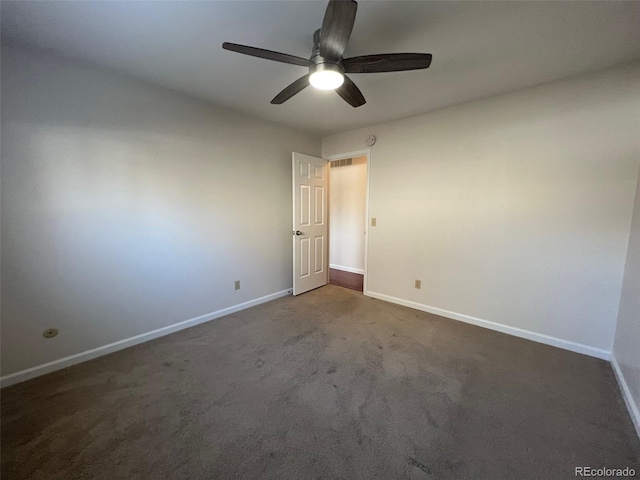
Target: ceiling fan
[[326, 65]]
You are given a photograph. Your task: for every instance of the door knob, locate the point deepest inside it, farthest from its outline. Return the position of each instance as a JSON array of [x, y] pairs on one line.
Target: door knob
[[298, 232]]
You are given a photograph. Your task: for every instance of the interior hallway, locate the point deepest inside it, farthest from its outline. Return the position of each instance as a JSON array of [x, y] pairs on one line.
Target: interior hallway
[[354, 281]]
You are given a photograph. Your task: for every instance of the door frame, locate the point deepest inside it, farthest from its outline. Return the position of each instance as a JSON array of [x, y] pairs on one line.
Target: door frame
[[340, 156]]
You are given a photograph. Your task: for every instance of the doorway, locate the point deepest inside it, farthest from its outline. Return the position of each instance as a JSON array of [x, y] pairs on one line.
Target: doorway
[[348, 181]]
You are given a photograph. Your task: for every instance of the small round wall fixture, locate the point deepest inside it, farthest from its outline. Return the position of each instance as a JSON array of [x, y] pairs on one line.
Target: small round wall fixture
[[370, 140], [50, 333]]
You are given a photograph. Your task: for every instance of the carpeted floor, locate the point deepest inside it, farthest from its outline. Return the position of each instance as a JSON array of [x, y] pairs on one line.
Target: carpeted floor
[[331, 385]]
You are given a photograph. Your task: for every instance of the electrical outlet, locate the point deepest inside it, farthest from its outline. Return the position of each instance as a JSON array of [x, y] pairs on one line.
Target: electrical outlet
[[373, 222], [50, 333], [236, 285], [418, 284]]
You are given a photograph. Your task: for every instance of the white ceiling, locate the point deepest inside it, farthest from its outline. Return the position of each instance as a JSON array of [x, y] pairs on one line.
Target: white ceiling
[[479, 49]]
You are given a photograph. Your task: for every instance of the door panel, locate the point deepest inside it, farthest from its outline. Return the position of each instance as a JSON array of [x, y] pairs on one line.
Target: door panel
[[305, 205], [310, 227], [319, 250], [319, 204], [305, 257]]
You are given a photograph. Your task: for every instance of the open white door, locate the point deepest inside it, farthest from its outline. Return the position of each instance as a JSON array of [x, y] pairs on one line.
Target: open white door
[[310, 226]]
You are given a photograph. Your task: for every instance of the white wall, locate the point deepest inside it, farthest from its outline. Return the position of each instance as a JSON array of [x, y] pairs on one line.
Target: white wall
[[348, 190], [514, 210], [626, 348], [127, 208]]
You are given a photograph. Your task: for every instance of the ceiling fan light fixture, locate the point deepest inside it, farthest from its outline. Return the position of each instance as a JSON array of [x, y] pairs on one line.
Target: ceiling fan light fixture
[[326, 80], [326, 76]]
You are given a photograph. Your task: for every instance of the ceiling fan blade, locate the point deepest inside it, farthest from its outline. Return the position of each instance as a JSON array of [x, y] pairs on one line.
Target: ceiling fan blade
[[387, 62], [336, 28], [350, 93], [268, 54], [293, 89]]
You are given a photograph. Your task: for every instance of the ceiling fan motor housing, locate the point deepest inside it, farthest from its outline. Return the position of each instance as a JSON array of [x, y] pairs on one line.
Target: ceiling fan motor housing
[[318, 62], [321, 64]]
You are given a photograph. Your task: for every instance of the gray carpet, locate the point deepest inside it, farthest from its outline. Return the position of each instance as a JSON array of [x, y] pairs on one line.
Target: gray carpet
[[331, 385]]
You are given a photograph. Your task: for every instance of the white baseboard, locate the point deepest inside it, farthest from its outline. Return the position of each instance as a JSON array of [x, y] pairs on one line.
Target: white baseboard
[[49, 367], [517, 332], [346, 269], [632, 406]]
